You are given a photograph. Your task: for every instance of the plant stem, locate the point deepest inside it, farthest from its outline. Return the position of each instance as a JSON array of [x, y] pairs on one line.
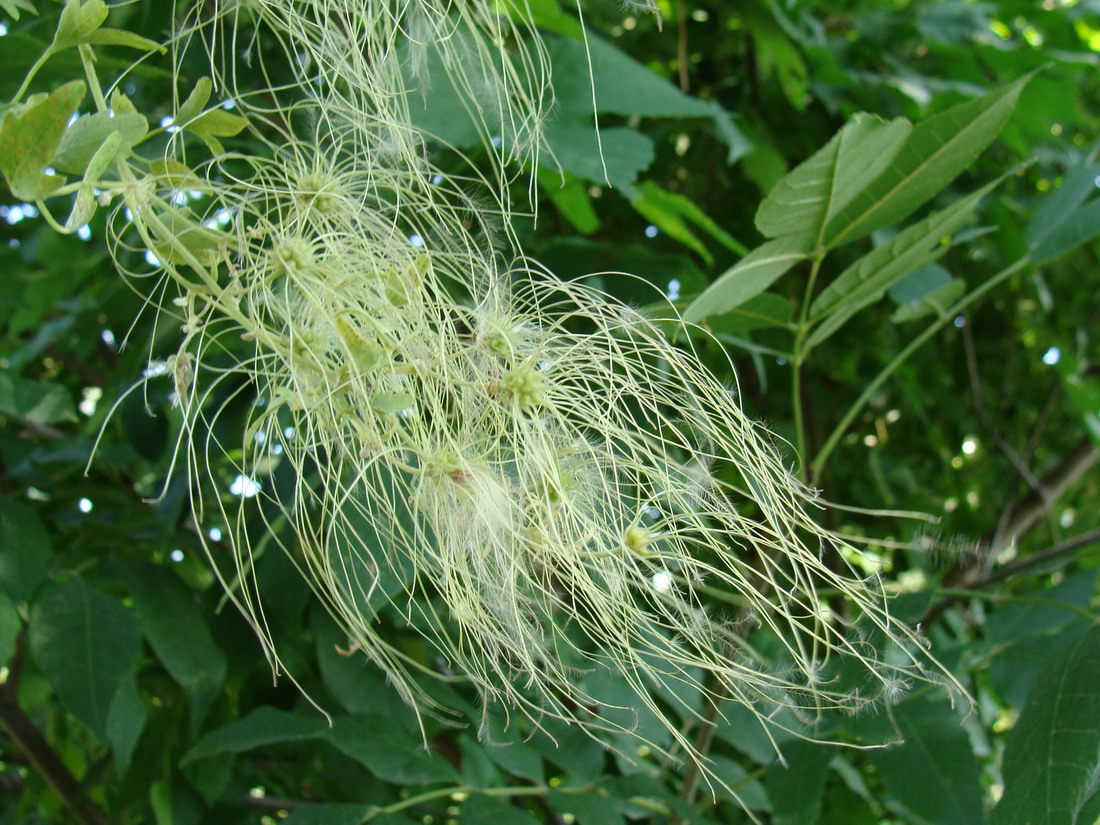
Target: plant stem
[[38, 64], [798, 355], [869, 391]]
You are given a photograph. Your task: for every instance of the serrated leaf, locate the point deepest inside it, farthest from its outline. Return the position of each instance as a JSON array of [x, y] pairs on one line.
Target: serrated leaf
[[867, 280], [25, 550], [121, 104], [88, 133], [85, 643], [933, 777], [390, 750], [195, 103], [937, 151], [1052, 758], [29, 136], [750, 276], [39, 402], [119, 37], [808, 197], [263, 726], [125, 722], [179, 636], [77, 22]]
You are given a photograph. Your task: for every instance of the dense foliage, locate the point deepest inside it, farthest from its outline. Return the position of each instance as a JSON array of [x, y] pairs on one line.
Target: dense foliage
[[912, 310]]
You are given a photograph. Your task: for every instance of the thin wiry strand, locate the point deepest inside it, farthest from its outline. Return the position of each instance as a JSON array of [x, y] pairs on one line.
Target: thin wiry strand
[[518, 468]]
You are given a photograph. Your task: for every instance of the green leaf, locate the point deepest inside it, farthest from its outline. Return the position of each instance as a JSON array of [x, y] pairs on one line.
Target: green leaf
[[796, 788], [759, 312], [389, 749], [214, 124], [588, 808], [37, 402], [263, 726], [1052, 758], [935, 153], [936, 302], [933, 777], [85, 643], [29, 136], [626, 152], [750, 276], [12, 7], [195, 103], [125, 721], [570, 196], [179, 635], [88, 134], [482, 810], [119, 37], [1079, 227], [672, 212], [77, 22], [25, 550], [867, 280], [181, 235], [391, 402], [10, 625], [812, 194], [1078, 184], [332, 813]]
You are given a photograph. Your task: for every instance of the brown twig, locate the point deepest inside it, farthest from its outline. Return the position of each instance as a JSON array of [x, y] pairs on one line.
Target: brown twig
[[39, 754]]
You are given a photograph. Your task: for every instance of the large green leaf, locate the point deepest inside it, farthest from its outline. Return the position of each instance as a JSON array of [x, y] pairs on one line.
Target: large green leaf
[[625, 152], [933, 778], [125, 721], [29, 135], [263, 726], [180, 636], [750, 276], [808, 197], [935, 153], [1080, 226], [85, 643], [10, 624], [25, 550], [867, 280], [391, 750], [334, 813], [38, 402], [795, 789], [1052, 758], [482, 810]]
